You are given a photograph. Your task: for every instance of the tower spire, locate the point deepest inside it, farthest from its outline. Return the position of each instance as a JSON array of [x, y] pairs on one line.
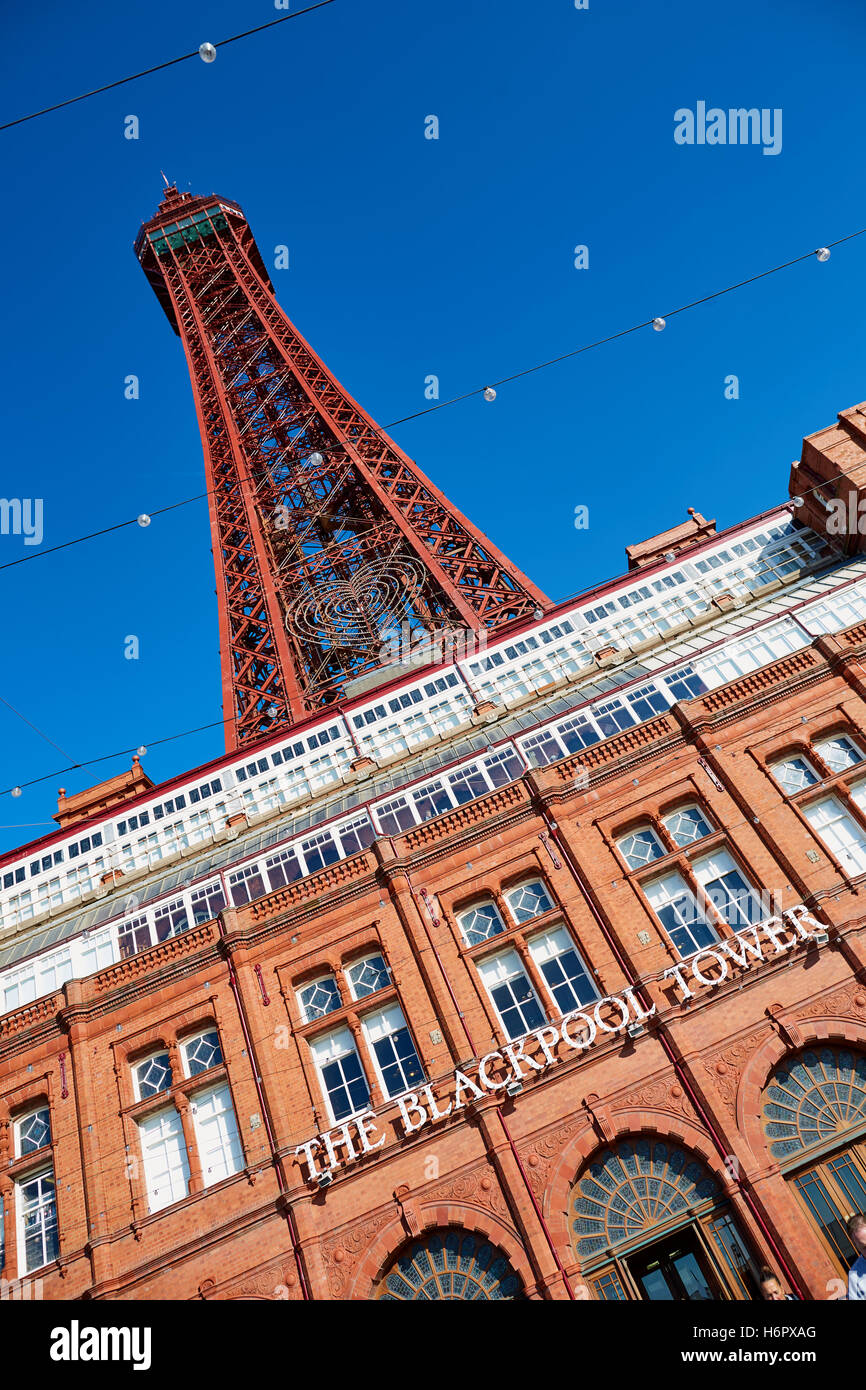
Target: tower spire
[[326, 536]]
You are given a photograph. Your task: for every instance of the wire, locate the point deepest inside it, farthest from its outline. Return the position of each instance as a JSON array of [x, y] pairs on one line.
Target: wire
[[34, 727], [336, 449], [118, 753], [160, 67]]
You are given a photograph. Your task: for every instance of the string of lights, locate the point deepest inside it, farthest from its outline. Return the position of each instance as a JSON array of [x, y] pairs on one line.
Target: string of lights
[[488, 392], [206, 51]]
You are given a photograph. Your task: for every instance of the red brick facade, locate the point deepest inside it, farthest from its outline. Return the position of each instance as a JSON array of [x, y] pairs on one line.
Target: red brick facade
[[506, 1167]]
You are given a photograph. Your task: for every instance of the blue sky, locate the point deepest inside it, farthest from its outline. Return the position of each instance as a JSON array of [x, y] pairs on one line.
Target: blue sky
[[407, 257]]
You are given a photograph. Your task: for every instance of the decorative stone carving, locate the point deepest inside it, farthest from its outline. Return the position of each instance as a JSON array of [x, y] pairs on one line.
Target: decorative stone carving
[[275, 1282], [725, 1066], [849, 1002], [538, 1156], [340, 1253], [664, 1094], [477, 1187]]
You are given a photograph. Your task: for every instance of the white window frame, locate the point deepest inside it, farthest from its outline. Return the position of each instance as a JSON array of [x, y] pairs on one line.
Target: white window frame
[[777, 768], [328, 976], [490, 969], [142, 1062], [323, 1053], [823, 743], [23, 1210], [42, 1107], [381, 1024], [532, 882], [358, 964], [175, 1157], [217, 1135], [189, 1041], [851, 856], [548, 946]]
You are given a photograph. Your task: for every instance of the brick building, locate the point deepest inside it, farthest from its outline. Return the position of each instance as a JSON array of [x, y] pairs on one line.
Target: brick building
[[539, 972]]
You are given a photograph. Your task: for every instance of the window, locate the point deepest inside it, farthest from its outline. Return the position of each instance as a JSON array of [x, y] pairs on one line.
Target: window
[[319, 851], [358, 834], [395, 816], [647, 701], [170, 919], [840, 832], [163, 1152], [729, 892], [433, 801], [612, 717], [512, 994], [133, 935], [687, 825], [32, 1131], [152, 1076], [206, 902], [609, 1288], [760, 649], [319, 998], [95, 952], [793, 774], [366, 976], [201, 1052], [391, 1043], [216, 1132], [467, 784], [480, 923], [246, 884], [564, 972], [685, 684], [283, 868], [343, 1081], [36, 1204], [816, 1101], [839, 753], [640, 847], [674, 904], [528, 900]]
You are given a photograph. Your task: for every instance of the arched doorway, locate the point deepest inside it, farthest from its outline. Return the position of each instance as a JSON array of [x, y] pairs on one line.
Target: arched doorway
[[450, 1265], [648, 1222], [814, 1118]]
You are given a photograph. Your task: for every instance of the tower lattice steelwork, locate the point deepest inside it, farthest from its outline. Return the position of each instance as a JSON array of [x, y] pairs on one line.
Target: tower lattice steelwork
[[324, 533]]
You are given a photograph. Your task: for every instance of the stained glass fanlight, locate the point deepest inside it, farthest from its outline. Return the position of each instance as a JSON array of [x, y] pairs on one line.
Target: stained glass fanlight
[[631, 1189], [451, 1265], [813, 1098]]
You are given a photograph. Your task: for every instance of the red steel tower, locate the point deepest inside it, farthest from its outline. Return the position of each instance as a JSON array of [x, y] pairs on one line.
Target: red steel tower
[[324, 533]]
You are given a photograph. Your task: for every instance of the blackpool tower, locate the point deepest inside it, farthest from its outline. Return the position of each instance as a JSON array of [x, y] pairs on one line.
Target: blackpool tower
[[325, 535]]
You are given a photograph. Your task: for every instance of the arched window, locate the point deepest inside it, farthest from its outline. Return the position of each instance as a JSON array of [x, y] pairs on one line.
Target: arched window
[[649, 1221], [640, 1183], [814, 1118], [814, 1098], [480, 922], [450, 1265], [528, 900]]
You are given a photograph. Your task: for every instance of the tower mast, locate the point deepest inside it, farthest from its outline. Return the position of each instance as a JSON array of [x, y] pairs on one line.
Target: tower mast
[[325, 534]]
